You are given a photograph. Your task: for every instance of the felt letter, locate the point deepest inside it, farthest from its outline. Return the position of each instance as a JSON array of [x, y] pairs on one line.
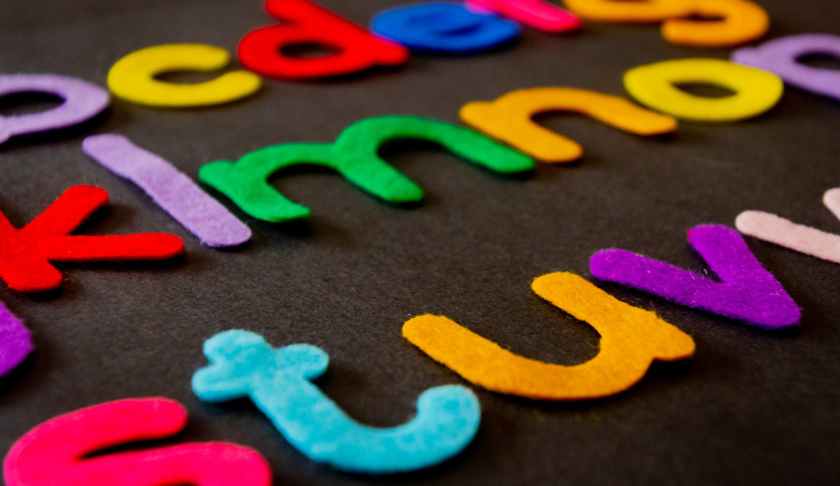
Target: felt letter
[[243, 364], [81, 101], [306, 23], [804, 239], [539, 14], [741, 22], [133, 77], [15, 340], [781, 57], [642, 11], [745, 290], [55, 451], [25, 261], [444, 27], [631, 339], [756, 91], [171, 189], [354, 155], [508, 119]]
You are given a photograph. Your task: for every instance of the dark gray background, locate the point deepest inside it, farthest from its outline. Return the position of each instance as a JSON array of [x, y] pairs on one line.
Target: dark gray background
[[751, 406]]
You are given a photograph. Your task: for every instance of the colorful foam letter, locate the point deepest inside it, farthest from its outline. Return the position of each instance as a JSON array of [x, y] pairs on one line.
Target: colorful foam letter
[[25, 260], [745, 291], [355, 156], [55, 451], [741, 22], [631, 339], [444, 27], [15, 340], [641, 11], [81, 101], [354, 48], [133, 77], [756, 91], [539, 14], [781, 57], [508, 119], [278, 381], [804, 239], [171, 189]]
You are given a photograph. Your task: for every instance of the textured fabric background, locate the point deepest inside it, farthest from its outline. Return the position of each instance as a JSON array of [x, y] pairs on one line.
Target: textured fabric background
[[751, 406]]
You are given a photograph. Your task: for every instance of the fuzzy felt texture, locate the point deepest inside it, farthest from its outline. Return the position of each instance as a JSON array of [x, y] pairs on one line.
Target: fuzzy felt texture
[[54, 452], [539, 14], [831, 199], [723, 23], [81, 101], [631, 339], [648, 11], [15, 340], [781, 57], [355, 156], [171, 189], [736, 22], [654, 85], [27, 252], [132, 78], [444, 27], [509, 118], [797, 237], [745, 290], [356, 49], [243, 364]]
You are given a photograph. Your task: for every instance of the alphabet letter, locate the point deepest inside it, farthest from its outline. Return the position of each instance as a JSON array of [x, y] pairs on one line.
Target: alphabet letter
[[509, 119], [756, 91], [278, 381], [54, 452], [15, 340], [82, 101], [25, 262], [171, 189], [539, 14], [740, 22], [307, 23], [780, 56], [444, 27], [801, 238], [745, 290], [354, 156], [133, 77], [631, 339]]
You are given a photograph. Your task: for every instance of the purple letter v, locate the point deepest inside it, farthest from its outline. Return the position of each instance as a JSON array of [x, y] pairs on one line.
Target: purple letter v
[[746, 290]]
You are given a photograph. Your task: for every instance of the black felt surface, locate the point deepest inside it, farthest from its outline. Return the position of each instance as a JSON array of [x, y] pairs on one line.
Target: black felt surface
[[751, 407]]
